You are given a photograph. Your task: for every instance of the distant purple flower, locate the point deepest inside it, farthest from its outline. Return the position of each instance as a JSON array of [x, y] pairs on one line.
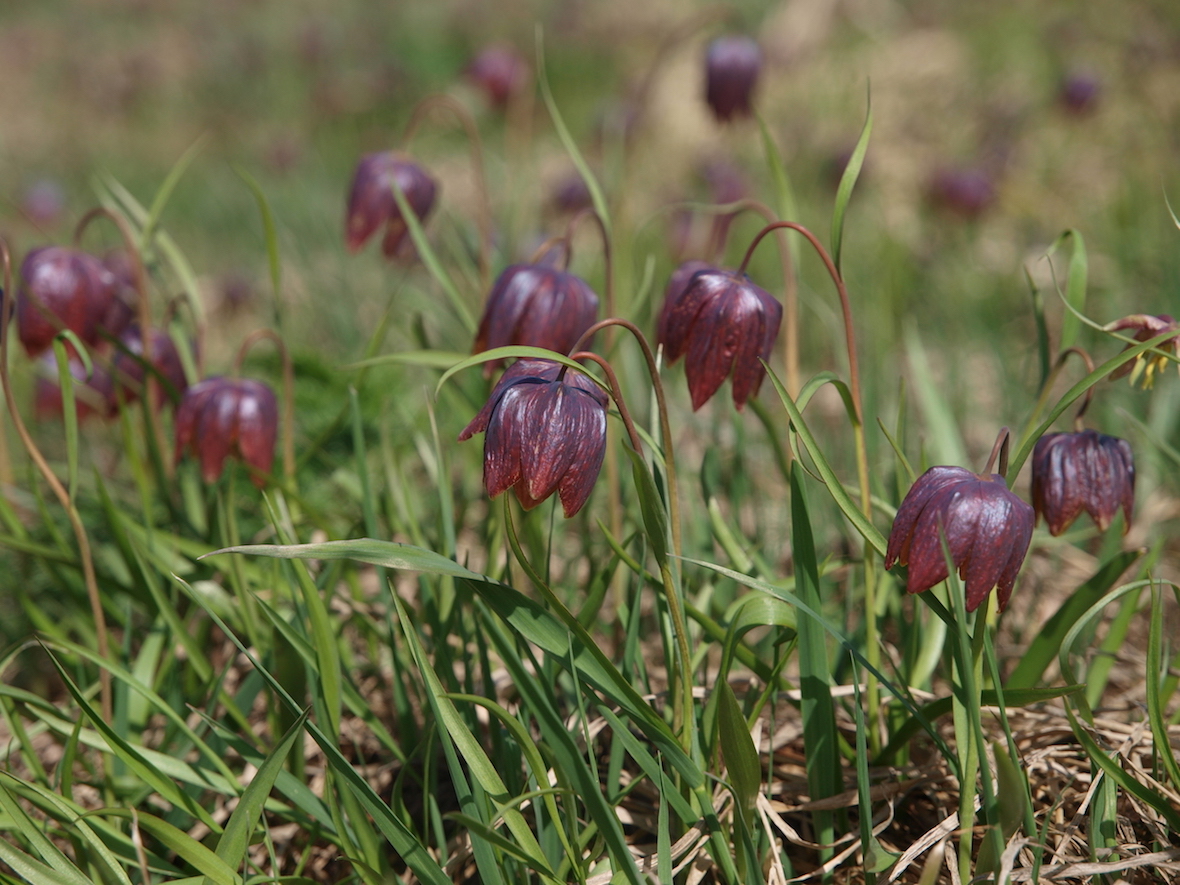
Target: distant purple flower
[[371, 203], [732, 65], [220, 417], [967, 192], [545, 433], [987, 528], [536, 305], [500, 71], [1080, 91], [1081, 472], [722, 324]]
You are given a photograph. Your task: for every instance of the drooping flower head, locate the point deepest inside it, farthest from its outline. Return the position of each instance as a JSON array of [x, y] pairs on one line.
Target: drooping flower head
[[62, 288], [220, 417], [722, 324], [1146, 326], [1085, 471], [732, 65], [500, 71], [371, 203], [536, 305], [128, 368], [987, 528], [545, 432]]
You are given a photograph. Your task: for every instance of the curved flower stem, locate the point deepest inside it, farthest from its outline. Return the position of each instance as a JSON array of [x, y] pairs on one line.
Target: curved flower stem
[[288, 391], [1047, 387], [144, 318], [566, 248], [682, 717], [572, 227], [89, 577], [873, 651], [665, 424], [465, 119], [1000, 448]]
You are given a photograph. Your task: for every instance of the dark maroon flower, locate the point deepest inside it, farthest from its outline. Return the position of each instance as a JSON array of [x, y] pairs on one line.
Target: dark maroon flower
[[1083, 471], [1079, 92], [987, 529], [128, 365], [500, 72], [732, 65], [219, 417], [570, 193], [545, 432], [721, 323], [967, 192], [536, 305], [371, 203], [62, 288], [1146, 327]]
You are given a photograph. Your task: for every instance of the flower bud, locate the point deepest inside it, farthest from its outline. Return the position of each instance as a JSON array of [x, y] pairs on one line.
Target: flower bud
[[371, 203], [987, 530], [1084, 471], [219, 417], [545, 431]]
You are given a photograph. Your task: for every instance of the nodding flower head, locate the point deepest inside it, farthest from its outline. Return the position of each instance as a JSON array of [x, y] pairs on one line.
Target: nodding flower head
[[723, 324], [987, 529], [1085, 471], [371, 203], [732, 65], [62, 288], [219, 417], [1146, 326], [545, 432], [500, 71], [129, 371], [536, 305]]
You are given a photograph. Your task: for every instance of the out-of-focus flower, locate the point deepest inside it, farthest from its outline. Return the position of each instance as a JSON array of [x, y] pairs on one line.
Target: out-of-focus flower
[[545, 432], [128, 365], [732, 65], [93, 396], [219, 417], [44, 202], [500, 71], [62, 288], [1082, 471], [987, 529], [968, 192], [722, 324], [536, 305], [1080, 91], [122, 311], [570, 193], [371, 203], [1146, 326]]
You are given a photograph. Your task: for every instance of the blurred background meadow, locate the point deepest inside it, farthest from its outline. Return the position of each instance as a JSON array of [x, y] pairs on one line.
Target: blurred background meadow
[[997, 126]]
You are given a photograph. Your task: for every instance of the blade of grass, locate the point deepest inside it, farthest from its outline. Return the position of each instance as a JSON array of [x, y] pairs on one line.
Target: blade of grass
[[848, 182]]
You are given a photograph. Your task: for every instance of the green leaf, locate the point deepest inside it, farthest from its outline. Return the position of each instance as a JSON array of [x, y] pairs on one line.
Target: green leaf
[[737, 747], [651, 505], [847, 506], [1046, 644], [515, 351], [234, 842], [1155, 703], [190, 850], [152, 221], [848, 182], [268, 229], [31, 833], [1075, 293]]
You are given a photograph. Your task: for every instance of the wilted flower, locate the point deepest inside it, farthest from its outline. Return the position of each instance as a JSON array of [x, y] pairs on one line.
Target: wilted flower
[[722, 323], [371, 203], [536, 305], [219, 417], [62, 288], [546, 433], [1146, 327], [1083, 471], [732, 65], [500, 72], [987, 529]]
